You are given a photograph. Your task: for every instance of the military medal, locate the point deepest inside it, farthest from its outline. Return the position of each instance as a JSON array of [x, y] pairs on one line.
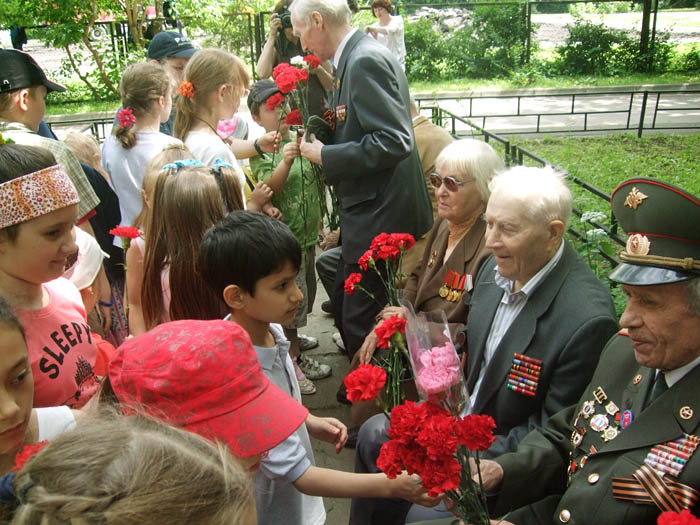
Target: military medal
[[626, 419], [611, 408], [524, 375], [444, 290], [610, 433], [431, 261], [460, 288], [672, 456], [340, 113], [599, 422], [600, 395], [577, 436], [588, 409]]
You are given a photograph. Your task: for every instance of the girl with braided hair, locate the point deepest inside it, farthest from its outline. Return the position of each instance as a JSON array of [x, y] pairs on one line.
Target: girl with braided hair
[[115, 470]]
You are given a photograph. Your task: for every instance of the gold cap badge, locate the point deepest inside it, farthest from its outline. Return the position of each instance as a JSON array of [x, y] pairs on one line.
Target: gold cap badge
[[635, 198]]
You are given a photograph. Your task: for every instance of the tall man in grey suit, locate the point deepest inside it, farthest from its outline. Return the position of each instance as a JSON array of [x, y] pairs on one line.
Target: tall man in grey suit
[[372, 163]]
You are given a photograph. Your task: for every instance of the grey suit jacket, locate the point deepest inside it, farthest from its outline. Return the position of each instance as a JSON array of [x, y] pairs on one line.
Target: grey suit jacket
[[373, 162], [565, 324]]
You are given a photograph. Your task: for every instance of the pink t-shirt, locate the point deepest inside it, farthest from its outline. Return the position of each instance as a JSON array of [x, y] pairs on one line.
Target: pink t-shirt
[[62, 351]]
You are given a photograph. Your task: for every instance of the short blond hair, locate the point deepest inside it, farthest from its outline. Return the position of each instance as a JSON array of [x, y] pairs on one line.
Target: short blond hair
[[115, 469]]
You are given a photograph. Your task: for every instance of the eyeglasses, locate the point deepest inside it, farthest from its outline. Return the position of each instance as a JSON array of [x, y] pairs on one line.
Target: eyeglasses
[[450, 182]]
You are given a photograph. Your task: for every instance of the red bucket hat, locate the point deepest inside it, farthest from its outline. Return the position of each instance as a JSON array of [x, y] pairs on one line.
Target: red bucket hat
[[204, 376]]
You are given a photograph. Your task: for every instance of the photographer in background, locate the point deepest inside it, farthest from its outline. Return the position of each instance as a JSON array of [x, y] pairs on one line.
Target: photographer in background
[[281, 46]]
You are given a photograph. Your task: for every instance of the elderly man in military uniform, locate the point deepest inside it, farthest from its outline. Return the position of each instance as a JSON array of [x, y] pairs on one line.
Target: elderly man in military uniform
[[626, 452]]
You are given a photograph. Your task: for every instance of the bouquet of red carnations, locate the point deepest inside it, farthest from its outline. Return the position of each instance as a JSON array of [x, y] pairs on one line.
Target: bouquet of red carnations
[[429, 441], [384, 257]]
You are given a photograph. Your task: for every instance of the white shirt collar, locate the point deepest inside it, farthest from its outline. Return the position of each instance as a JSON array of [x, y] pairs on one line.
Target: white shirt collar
[[341, 46], [535, 280], [673, 376]]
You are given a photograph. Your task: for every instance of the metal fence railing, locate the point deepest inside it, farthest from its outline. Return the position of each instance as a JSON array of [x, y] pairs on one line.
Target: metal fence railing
[[580, 112]]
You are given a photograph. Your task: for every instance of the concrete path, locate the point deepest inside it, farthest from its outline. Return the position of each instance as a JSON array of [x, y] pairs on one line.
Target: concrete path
[[324, 403]]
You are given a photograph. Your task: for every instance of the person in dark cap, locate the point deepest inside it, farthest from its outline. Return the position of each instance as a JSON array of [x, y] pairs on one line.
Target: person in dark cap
[[626, 452], [297, 198], [172, 50], [23, 88]]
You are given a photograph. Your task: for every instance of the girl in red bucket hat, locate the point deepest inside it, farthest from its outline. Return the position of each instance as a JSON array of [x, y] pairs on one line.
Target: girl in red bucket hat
[[203, 376]]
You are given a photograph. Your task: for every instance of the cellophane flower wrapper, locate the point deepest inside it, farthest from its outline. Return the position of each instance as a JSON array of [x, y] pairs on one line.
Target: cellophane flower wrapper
[[436, 367]]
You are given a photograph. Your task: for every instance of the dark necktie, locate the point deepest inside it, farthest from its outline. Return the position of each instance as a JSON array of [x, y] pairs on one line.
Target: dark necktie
[[659, 388]]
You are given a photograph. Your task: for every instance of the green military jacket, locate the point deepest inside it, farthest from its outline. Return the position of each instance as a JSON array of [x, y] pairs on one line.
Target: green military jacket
[[570, 465]]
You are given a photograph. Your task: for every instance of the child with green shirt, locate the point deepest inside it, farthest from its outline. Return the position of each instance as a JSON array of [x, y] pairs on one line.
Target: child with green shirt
[[296, 195]]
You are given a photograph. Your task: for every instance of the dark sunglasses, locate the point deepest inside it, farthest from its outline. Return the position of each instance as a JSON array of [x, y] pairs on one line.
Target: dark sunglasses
[[450, 182]]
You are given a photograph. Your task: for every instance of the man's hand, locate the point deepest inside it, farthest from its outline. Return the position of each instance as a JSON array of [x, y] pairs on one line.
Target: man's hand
[[409, 487], [270, 142], [312, 150], [491, 475], [327, 429], [330, 240]]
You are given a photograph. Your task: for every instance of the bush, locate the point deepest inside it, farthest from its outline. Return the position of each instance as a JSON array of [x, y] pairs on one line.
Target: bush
[[426, 55], [494, 46], [687, 62]]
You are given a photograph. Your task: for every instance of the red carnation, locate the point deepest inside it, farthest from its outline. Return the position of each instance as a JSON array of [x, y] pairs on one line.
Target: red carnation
[[364, 383], [388, 252], [302, 75], [441, 476], [476, 432], [389, 460], [379, 240], [312, 60], [437, 436], [684, 517], [405, 422], [24, 455], [404, 241], [274, 100], [287, 81], [281, 69], [125, 232], [388, 328], [351, 281], [365, 259], [293, 118]]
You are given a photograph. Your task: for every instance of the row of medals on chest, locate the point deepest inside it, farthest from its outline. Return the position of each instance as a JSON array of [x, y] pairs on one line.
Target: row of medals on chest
[[608, 425]]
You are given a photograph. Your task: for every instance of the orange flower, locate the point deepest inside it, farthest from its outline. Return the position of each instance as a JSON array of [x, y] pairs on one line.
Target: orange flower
[[186, 89]]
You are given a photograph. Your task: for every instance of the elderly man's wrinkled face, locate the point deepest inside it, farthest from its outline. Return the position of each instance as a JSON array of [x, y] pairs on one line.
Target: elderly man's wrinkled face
[[663, 331], [313, 36], [521, 247]]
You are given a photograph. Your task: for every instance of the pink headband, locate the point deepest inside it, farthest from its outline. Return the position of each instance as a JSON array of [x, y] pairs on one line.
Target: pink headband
[[35, 194]]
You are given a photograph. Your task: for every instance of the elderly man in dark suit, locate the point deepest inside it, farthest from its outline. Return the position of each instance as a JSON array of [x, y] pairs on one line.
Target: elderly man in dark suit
[[625, 451], [538, 321], [372, 163]]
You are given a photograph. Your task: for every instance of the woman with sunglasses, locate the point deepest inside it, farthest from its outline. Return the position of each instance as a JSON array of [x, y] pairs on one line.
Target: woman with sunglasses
[[455, 249]]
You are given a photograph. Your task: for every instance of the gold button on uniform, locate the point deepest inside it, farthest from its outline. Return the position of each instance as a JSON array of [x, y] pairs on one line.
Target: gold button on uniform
[[593, 478], [564, 516]]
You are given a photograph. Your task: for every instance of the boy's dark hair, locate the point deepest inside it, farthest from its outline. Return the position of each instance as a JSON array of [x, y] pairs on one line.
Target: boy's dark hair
[[245, 247], [8, 317], [17, 160]]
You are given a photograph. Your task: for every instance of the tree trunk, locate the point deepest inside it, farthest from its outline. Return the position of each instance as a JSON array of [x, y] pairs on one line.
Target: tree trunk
[[644, 36], [84, 78]]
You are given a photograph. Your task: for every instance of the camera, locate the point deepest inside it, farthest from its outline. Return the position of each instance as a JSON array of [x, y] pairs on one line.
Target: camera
[[286, 19]]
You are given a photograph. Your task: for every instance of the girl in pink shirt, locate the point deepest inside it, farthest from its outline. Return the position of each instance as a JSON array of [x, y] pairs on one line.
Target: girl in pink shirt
[[38, 210]]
